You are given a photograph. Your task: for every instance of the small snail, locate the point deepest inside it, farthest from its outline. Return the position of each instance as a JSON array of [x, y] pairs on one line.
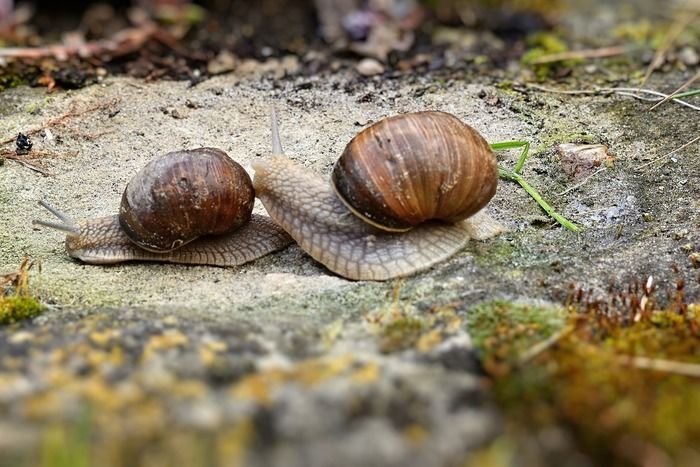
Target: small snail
[[406, 193], [191, 207]]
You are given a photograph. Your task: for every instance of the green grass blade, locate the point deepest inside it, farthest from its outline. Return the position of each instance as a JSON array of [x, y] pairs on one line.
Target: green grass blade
[[514, 175]]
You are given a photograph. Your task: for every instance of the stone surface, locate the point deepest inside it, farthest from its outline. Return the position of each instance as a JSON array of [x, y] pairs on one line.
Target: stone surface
[[281, 362]]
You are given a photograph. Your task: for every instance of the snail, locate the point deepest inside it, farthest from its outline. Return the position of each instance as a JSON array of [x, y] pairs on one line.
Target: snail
[[407, 193], [191, 207]]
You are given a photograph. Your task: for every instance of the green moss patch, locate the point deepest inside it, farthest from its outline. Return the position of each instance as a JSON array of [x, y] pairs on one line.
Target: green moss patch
[[17, 308], [541, 45], [16, 303], [622, 374]]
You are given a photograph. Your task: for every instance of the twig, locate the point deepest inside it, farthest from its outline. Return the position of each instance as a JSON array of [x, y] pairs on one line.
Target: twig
[[122, 43], [583, 182], [61, 119], [697, 138], [32, 155], [637, 96], [667, 366], [540, 347], [674, 31], [677, 91], [28, 165], [632, 92], [581, 54], [596, 91]]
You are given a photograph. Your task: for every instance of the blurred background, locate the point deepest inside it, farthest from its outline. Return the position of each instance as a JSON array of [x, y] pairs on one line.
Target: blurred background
[[72, 44]]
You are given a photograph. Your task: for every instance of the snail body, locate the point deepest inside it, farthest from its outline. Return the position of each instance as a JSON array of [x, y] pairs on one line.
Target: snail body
[[351, 225], [191, 207]]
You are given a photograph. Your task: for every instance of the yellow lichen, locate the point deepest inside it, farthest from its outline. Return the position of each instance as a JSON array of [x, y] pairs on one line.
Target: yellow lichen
[[366, 374], [233, 442], [209, 351], [400, 327], [103, 338], [416, 434], [260, 386], [170, 339]]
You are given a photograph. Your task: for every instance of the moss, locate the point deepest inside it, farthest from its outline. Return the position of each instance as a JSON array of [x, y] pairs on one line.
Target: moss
[[400, 326], [400, 333], [16, 304], [9, 80], [35, 107], [621, 372], [17, 308], [504, 330], [498, 252], [84, 442], [542, 44], [505, 85], [641, 32]]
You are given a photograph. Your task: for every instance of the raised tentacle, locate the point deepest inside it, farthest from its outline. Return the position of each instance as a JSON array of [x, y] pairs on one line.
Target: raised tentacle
[[68, 225], [276, 141]]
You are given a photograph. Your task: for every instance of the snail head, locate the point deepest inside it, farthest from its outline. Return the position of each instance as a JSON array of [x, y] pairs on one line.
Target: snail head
[[83, 241]]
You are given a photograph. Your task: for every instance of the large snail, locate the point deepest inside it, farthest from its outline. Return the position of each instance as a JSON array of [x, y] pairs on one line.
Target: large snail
[[191, 207], [407, 193]]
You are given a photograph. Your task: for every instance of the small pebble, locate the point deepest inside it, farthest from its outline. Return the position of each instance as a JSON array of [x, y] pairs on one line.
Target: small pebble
[[369, 67], [21, 337], [222, 63], [689, 56], [580, 160], [23, 143], [681, 234]]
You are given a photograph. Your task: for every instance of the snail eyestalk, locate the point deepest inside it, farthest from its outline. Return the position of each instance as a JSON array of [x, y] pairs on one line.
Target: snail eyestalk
[[514, 175], [276, 141], [68, 225]]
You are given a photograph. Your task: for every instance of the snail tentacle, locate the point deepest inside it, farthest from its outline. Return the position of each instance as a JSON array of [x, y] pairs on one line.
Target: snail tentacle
[[276, 141], [68, 225]]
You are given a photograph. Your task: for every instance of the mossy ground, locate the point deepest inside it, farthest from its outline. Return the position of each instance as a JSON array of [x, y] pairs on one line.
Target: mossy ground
[[16, 303], [18, 308], [621, 374], [280, 358]]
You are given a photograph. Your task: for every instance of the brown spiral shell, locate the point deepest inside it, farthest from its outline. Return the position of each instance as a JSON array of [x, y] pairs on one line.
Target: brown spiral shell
[[408, 169], [183, 195]]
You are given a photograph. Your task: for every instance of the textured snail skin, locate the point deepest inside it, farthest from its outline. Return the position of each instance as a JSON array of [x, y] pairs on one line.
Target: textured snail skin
[[306, 206], [410, 168], [103, 241], [183, 195]]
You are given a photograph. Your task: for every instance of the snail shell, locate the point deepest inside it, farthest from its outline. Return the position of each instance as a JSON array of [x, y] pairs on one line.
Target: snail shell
[[191, 207], [407, 169], [346, 237], [184, 195]]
